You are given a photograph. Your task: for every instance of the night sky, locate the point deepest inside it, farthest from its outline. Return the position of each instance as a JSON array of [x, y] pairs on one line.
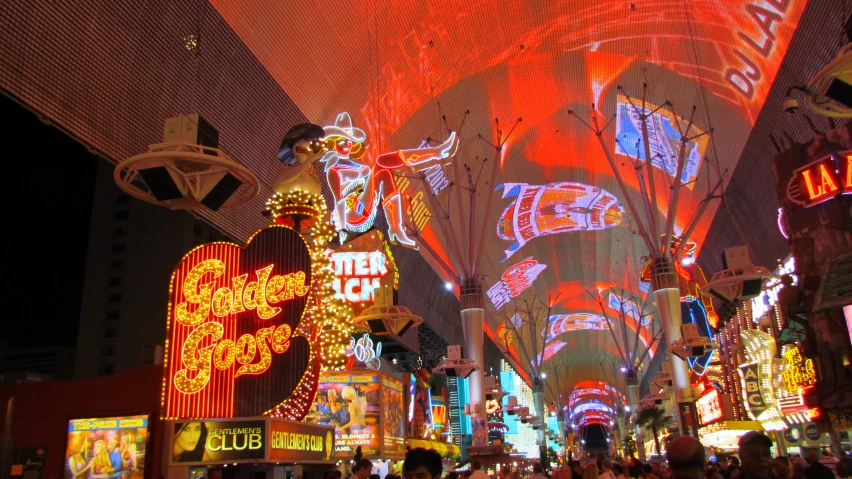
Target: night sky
[[48, 201]]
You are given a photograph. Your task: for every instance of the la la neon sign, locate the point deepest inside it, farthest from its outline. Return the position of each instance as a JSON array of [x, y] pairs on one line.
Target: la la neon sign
[[821, 180]]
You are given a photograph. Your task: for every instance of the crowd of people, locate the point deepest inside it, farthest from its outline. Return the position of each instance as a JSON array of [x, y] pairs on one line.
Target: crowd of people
[[685, 459]]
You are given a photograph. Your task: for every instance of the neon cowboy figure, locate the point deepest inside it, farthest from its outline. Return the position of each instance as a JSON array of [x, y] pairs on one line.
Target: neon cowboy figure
[[359, 184]]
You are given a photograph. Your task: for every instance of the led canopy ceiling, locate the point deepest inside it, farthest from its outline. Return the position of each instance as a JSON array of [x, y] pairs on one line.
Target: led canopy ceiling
[[555, 227]]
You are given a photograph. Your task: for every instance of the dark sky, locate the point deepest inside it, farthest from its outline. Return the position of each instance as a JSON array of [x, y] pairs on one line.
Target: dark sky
[[49, 180]]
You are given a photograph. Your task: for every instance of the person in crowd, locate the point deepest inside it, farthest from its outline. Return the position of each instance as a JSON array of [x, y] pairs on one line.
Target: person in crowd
[[816, 469], [722, 463], [362, 469], [829, 461], [634, 470], [686, 458], [754, 452], [564, 472], [843, 470], [591, 471], [712, 471], [648, 472], [422, 464], [797, 469], [576, 470], [452, 475], [538, 471], [506, 472], [618, 470], [376, 476], [466, 474], [735, 472], [605, 466], [781, 467], [476, 471]]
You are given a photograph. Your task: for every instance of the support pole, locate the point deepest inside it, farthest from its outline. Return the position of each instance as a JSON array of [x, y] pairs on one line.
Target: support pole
[[633, 399], [666, 287], [473, 322]]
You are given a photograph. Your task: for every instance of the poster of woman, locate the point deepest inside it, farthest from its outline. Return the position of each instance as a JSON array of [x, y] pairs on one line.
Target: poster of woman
[[106, 448], [350, 403]]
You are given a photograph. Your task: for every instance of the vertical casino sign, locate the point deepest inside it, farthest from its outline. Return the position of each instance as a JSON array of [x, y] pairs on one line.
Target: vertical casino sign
[[236, 345]]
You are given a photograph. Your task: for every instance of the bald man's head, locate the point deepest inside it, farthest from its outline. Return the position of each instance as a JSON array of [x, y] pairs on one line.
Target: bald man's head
[[686, 457]]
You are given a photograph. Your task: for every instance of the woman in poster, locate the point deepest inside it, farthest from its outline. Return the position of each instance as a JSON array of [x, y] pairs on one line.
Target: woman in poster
[[357, 409], [128, 454], [100, 465], [78, 463], [190, 439]]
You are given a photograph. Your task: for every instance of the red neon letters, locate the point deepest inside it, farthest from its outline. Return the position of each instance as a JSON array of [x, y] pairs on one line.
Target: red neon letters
[[821, 180]]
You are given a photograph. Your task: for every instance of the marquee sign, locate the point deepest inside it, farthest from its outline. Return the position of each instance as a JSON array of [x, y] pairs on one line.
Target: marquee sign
[[361, 267], [709, 407], [751, 389], [822, 180], [233, 343]]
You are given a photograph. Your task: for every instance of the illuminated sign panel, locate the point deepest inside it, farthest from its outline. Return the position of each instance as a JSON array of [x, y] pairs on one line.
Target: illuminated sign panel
[[751, 389], [822, 180], [709, 407], [219, 441], [300, 442], [361, 267], [365, 409], [250, 440], [107, 447], [799, 372], [233, 347]]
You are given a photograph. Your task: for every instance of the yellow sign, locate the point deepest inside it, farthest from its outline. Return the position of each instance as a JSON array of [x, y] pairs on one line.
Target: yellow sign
[[798, 372]]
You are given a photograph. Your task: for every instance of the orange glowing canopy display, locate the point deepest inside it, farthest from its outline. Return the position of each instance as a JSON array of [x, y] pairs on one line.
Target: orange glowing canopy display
[[557, 221]]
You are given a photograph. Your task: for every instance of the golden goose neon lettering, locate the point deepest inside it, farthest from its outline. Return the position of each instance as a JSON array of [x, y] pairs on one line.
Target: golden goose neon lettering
[[205, 348]]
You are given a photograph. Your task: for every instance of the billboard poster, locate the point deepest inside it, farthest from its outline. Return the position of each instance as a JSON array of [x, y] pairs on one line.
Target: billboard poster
[[350, 403], [110, 447], [393, 418], [218, 441]]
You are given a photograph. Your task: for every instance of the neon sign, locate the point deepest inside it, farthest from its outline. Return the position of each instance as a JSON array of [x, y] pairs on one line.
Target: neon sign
[[799, 372], [363, 351], [234, 346], [359, 186], [821, 180], [358, 274], [709, 407], [751, 389], [540, 210], [514, 281]]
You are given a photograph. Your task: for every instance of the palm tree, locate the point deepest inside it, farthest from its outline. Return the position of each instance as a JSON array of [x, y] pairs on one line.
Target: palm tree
[[654, 418]]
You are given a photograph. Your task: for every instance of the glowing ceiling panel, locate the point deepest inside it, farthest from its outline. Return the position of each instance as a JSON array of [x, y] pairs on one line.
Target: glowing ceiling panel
[[397, 67]]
